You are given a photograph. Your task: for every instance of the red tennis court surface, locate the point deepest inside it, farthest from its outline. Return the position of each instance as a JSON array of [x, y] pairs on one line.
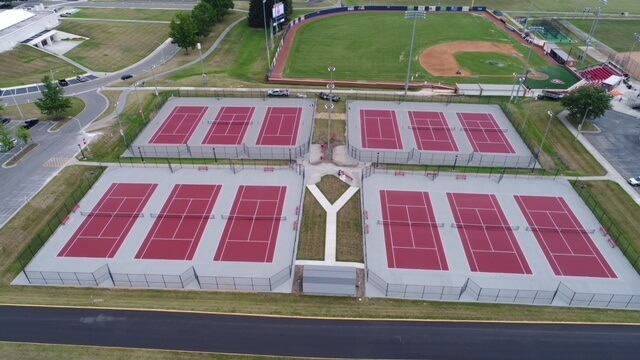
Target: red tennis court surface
[[431, 131], [107, 225], [380, 130], [251, 231], [484, 133], [230, 126], [179, 226], [280, 127], [564, 241], [487, 238], [179, 125], [411, 233]]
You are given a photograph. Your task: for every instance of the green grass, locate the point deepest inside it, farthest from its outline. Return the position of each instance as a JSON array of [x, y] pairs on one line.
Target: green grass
[[489, 63], [359, 56], [113, 47], [312, 230], [129, 14], [25, 65], [554, 72], [30, 110], [349, 245], [332, 187], [617, 34]]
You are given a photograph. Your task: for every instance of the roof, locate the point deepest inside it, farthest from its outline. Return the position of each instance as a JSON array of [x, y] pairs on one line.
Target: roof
[[329, 280], [8, 18]]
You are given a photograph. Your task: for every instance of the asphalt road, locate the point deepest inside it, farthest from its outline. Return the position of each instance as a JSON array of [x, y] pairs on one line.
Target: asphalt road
[[619, 142], [316, 338]]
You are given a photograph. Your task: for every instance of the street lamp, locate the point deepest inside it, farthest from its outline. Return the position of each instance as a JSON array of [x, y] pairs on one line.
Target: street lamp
[[543, 139], [593, 30], [153, 74], [266, 38], [415, 15], [161, 50], [204, 76], [582, 123], [82, 152], [636, 38], [135, 87], [120, 125], [329, 107], [18, 106], [51, 72]]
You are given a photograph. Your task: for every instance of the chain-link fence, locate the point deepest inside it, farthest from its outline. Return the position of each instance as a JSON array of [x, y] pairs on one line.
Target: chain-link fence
[[616, 301], [408, 291], [517, 296], [69, 278]]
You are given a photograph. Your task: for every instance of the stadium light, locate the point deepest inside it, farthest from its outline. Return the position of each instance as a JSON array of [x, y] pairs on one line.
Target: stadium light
[[593, 30], [636, 38], [525, 69], [581, 123], [204, 76], [415, 15], [126, 143], [266, 38], [550, 113], [329, 107]]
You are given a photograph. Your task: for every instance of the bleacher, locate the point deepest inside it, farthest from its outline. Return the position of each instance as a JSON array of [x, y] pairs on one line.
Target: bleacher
[[599, 73]]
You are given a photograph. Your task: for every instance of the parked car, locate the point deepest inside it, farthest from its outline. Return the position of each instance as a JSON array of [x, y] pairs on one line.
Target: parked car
[[30, 123], [81, 78], [634, 181], [126, 77], [325, 96], [63, 82], [279, 92], [5, 120]]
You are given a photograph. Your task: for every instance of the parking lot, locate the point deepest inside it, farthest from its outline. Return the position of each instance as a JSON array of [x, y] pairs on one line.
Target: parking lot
[[37, 132], [619, 142]]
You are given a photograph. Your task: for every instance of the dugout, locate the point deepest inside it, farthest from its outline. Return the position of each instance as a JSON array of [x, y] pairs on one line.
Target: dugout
[[558, 54]]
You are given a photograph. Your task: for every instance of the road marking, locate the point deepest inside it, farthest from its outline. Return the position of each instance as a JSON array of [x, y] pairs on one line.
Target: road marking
[[56, 162]]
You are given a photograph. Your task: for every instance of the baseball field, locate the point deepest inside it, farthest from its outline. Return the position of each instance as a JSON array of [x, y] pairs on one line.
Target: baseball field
[[375, 47]]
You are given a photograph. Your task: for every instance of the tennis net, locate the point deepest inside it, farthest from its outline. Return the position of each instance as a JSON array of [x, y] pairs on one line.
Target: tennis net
[[469, 129], [253, 217], [432, 128], [410, 223], [111, 214], [560, 230], [183, 216], [485, 226], [230, 122]]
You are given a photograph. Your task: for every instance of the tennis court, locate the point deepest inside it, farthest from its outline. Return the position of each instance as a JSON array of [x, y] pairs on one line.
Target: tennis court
[[488, 240], [178, 127], [434, 134], [230, 126], [106, 226], [512, 240], [251, 230], [235, 128], [280, 126], [564, 240], [196, 228], [484, 133], [411, 231], [380, 130], [178, 228]]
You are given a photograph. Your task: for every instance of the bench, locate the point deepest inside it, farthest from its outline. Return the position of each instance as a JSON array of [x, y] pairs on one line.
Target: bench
[[399, 173], [269, 169], [366, 215], [75, 208], [366, 228], [66, 219], [461, 177], [612, 242], [297, 210], [295, 225], [203, 168], [604, 231]]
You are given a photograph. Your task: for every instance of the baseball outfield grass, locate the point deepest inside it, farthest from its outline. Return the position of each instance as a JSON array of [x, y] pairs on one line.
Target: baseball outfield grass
[[617, 34], [376, 46]]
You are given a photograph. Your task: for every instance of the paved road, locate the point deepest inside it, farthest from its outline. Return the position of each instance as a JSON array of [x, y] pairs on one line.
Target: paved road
[[317, 338], [619, 142]]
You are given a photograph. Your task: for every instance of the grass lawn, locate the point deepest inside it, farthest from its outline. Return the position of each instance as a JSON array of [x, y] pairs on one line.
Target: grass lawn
[[26, 65], [617, 34], [489, 63], [332, 187], [130, 14], [357, 55], [554, 72], [312, 230], [30, 110], [113, 47], [350, 242]]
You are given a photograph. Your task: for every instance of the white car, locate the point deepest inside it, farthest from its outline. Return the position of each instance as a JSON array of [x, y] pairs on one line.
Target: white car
[[278, 92], [634, 181]]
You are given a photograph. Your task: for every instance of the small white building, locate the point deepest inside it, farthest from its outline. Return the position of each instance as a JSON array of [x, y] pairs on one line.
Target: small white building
[[34, 27]]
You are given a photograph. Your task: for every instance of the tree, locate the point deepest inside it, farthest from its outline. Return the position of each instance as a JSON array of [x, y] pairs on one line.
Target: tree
[[221, 7], [184, 31], [255, 12], [23, 134], [592, 100], [53, 101], [6, 140], [205, 17]]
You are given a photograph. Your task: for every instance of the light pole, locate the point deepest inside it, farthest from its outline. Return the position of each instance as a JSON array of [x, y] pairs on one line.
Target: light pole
[[582, 123], [161, 50], [120, 125], [18, 106], [51, 72], [593, 30], [329, 107], [415, 15], [204, 76], [543, 138], [515, 81], [525, 69], [153, 74], [135, 87], [636, 38], [266, 38], [82, 152]]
